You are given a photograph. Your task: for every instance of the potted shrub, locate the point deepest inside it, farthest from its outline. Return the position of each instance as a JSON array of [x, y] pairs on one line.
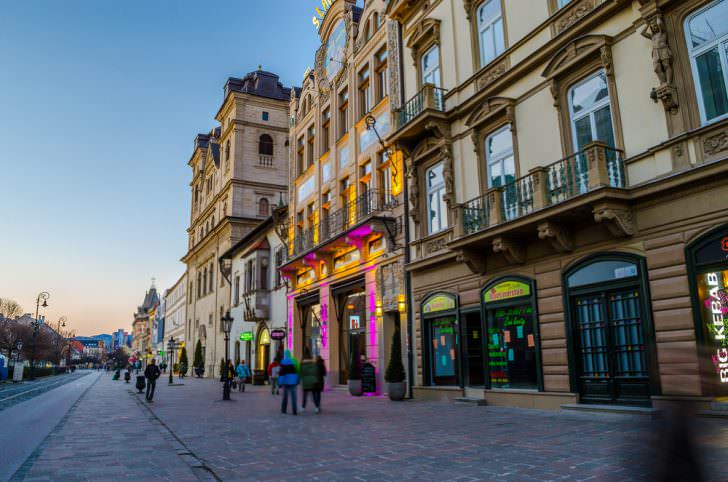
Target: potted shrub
[[197, 361], [395, 375], [355, 374], [182, 365]]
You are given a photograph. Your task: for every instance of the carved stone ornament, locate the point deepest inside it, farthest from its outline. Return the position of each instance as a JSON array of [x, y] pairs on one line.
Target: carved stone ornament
[[577, 51], [492, 74], [490, 108], [618, 219], [559, 237], [323, 84], [576, 11], [393, 64], [448, 174], [473, 259], [436, 245], [662, 57], [414, 191], [428, 29], [716, 143], [511, 250]]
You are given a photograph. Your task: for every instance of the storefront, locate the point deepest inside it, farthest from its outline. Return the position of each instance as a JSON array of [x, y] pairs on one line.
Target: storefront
[[309, 319], [442, 340], [511, 342], [708, 272], [350, 304], [612, 354]]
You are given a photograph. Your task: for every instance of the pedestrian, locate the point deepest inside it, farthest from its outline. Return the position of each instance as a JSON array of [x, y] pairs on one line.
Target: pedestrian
[[151, 374], [308, 377], [274, 370], [312, 379], [288, 379], [230, 374], [243, 373], [319, 385]]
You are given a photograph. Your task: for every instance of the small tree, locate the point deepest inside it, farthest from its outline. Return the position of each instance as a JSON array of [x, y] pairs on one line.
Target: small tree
[[355, 366], [395, 370], [197, 361], [183, 364]]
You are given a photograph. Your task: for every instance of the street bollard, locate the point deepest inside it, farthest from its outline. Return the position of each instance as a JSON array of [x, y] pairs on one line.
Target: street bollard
[[140, 383]]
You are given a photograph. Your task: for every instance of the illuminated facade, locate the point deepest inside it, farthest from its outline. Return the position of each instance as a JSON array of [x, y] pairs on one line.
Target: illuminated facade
[[345, 258], [567, 173]]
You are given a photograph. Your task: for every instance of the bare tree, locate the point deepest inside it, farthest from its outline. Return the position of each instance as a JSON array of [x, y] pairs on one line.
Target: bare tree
[[10, 333], [10, 308]]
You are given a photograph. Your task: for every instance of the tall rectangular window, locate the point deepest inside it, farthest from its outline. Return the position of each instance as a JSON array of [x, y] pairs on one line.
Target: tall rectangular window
[[311, 136], [300, 148], [490, 31], [435, 192], [707, 38], [364, 97], [279, 263], [591, 116], [430, 65], [382, 75], [499, 156], [236, 296], [325, 130], [343, 112]]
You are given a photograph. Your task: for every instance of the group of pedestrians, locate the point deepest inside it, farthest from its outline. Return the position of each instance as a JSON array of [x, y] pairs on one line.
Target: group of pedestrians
[[310, 374]]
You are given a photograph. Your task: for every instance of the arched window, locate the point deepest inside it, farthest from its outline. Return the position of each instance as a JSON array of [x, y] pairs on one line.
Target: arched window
[[263, 207], [265, 145], [707, 38]]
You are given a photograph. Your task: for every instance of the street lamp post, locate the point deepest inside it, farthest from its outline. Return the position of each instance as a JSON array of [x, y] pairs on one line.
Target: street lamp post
[[61, 323], [227, 325], [43, 295], [170, 349]]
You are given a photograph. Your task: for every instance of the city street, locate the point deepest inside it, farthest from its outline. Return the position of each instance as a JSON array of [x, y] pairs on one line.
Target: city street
[[189, 434]]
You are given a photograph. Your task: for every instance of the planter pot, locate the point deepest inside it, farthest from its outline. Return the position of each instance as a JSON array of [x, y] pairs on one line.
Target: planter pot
[[355, 388], [396, 391]]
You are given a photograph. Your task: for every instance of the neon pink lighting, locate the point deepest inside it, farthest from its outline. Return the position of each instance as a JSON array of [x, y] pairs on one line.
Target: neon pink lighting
[[324, 330], [373, 349], [290, 323]]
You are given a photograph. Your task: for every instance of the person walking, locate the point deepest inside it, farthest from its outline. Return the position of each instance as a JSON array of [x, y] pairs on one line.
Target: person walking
[[230, 374], [243, 373], [151, 374], [312, 379], [288, 379], [319, 385], [308, 378], [274, 370]]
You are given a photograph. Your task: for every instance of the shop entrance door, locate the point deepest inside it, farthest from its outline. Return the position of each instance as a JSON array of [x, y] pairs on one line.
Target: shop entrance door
[[444, 340], [474, 349], [352, 333], [612, 357]]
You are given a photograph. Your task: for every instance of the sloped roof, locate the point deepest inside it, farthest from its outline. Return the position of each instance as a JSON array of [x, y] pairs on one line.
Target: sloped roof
[[260, 83]]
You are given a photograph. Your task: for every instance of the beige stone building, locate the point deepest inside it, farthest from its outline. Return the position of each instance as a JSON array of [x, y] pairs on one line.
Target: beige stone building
[[567, 187], [239, 172], [345, 259]]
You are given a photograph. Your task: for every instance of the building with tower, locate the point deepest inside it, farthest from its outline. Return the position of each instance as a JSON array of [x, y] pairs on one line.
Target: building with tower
[[239, 172]]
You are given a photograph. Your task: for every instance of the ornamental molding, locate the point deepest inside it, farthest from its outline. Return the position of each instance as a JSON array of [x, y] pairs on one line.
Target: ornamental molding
[[579, 50], [716, 143], [393, 64], [513, 251], [490, 108], [493, 73], [576, 11], [425, 31], [414, 190], [617, 218], [473, 259], [560, 238]]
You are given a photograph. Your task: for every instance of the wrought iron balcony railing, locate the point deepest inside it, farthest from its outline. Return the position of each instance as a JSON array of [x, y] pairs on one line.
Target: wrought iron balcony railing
[[337, 222], [598, 165], [429, 97]]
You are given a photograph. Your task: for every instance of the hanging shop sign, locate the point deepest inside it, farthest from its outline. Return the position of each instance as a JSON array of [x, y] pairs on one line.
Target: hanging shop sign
[[714, 299], [278, 334], [506, 290], [354, 322], [246, 336], [439, 303]]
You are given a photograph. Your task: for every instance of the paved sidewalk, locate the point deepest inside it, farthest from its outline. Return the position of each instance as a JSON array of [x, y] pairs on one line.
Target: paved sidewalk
[[375, 439], [14, 393], [107, 435]]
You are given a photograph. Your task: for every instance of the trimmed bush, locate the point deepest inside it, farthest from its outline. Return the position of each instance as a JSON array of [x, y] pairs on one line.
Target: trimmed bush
[[395, 370]]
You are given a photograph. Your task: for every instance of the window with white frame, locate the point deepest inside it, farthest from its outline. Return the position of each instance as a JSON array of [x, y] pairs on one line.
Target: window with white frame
[[707, 38], [590, 111], [435, 191], [490, 31], [562, 3], [430, 65], [499, 157]]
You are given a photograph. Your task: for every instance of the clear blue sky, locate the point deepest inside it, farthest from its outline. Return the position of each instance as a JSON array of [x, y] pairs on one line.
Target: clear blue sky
[[100, 101]]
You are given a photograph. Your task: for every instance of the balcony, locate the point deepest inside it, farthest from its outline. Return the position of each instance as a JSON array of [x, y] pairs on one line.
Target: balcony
[[546, 202], [411, 120], [368, 214]]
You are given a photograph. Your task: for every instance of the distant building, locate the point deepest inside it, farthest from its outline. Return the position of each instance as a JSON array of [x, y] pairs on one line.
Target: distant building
[[175, 312], [142, 326]]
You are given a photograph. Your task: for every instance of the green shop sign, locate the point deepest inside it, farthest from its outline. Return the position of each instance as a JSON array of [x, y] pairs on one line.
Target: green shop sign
[[439, 303], [506, 290], [246, 336]]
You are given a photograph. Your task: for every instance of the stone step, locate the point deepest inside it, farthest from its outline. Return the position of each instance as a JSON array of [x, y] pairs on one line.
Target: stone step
[[471, 401], [652, 413]]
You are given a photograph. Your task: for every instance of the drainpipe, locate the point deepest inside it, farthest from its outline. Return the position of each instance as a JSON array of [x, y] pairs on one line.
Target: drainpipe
[[407, 274]]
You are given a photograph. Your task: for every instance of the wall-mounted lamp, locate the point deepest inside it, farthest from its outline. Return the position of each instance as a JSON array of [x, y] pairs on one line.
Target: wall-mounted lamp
[[379, 308], [401, 304]]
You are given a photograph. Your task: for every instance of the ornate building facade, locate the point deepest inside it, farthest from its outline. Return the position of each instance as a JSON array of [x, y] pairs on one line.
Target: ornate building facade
[[567, 172], [345, 259], [239, 171]]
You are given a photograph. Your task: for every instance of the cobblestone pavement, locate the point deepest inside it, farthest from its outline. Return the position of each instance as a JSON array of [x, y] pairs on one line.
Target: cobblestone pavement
[[367, 438], [13, 393]]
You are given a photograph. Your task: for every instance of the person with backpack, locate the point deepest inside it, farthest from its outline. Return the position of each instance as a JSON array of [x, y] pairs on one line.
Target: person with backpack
[[288, 379], [151, 373], [243, 372], [312, 379], [274, 370]]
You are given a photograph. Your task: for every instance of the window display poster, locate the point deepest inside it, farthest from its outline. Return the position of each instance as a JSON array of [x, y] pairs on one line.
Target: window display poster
[[713, 295], [444, 342], [512, 348]]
